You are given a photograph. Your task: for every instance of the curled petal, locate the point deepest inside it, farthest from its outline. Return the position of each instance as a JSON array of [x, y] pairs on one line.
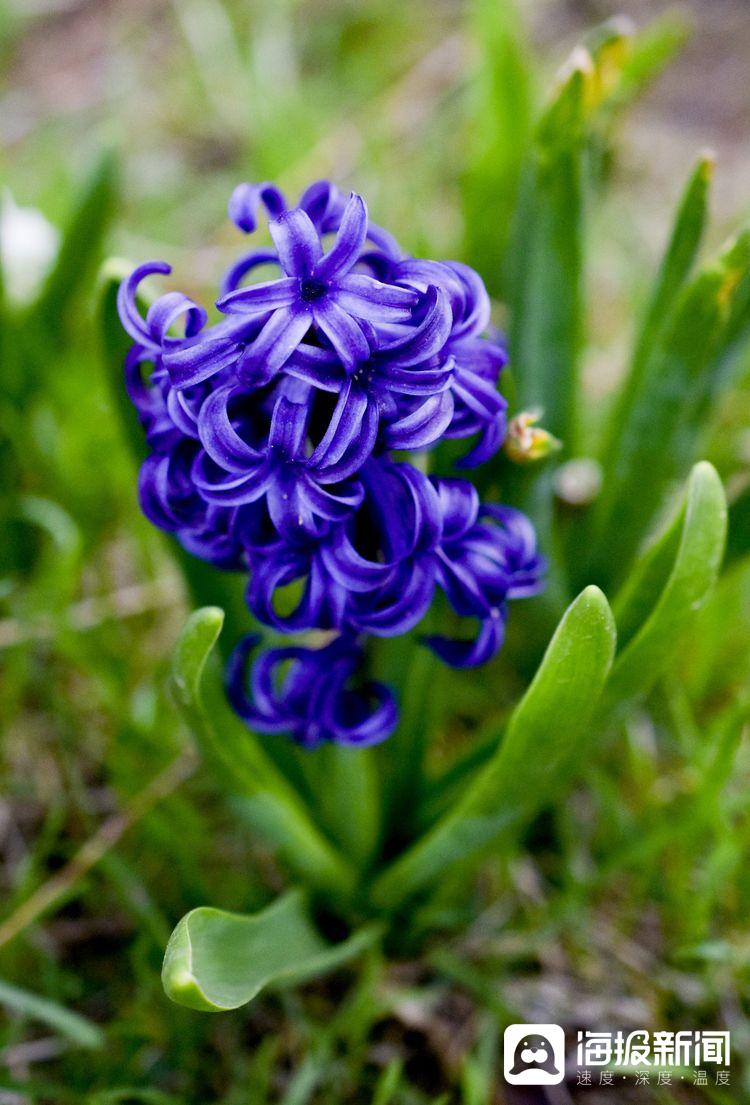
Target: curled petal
[[229, 489], [218, 436], [236, 273], [288, 428], [470, 654], [163, 314], [346, 422], [307, 693], [424, 426], [402, 604], [323, 202], [127, 303], [459, 506], [427, 339], [247, 199], [198, 359]]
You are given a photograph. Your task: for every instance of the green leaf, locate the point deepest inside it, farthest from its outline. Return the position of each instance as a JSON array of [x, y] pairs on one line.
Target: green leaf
[[498, 129], [79, 1030], [81, 247], [696, 539], [738, 538], [658, 437], [545, 741], [272, 804], [546, 263], [216, 961]]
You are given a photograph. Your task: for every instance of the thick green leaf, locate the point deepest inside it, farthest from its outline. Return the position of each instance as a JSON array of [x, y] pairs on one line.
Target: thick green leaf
[[696, 537], [79, 1030], [81, 247], [347, 798], [216, 961], [658, 438], [545, 740], [272, 804]]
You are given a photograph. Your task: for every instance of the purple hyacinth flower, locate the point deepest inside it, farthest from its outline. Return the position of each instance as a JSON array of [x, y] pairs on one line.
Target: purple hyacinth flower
[[231, 472], [487, 556], [319, 290], [314, 700], [404, 382], [479, 409], [271, 435]]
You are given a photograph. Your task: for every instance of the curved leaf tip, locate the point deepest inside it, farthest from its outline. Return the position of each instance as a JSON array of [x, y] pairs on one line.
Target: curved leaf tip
[[216, 961], [194, 645]]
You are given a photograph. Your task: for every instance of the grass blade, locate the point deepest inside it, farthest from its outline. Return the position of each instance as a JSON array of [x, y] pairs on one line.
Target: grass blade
[[79, 1030]]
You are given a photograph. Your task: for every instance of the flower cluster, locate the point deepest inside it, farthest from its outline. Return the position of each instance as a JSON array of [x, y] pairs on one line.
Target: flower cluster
[[273, 433]]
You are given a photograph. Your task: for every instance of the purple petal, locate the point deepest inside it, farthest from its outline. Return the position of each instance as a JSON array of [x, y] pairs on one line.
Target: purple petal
[[219, 438], [288, 428], [256, 299], [319, 367], [322, 201], [427, 339], [163, 314], [274, 345], [246, 200], [228, 490], [239, 270], [297, 242], [343, 332], [470, 654], [370, 299], [349, 241], [127, 305], [346, 421], [423, 426]]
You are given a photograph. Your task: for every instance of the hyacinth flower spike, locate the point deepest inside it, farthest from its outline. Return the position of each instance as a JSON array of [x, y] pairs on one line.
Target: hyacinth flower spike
[[318, 290], [271, 437]]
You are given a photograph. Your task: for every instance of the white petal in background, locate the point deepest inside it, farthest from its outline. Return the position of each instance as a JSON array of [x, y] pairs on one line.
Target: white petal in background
[[28, 246]]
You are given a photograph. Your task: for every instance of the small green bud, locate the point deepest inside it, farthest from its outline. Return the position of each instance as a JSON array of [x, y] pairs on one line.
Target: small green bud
[[526, 442]]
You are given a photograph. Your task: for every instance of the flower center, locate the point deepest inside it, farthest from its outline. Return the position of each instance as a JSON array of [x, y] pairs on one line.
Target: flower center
[[310, 290]]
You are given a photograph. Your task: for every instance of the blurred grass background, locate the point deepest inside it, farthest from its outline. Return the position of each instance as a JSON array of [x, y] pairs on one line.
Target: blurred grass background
[[107, 832]]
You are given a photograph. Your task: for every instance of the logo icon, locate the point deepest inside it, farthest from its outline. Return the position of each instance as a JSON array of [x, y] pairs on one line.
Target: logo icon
[[534, 1054]]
